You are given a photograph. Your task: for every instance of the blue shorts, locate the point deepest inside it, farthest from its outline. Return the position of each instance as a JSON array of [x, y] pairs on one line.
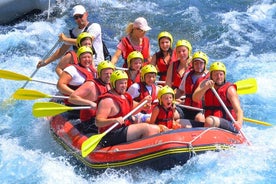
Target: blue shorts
[[227, 125]]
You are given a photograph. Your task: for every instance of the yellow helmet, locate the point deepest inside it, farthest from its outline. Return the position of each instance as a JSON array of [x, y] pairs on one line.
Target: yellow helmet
[[103, 65], [200, 55], [147, 69], [185, 43], [117, 75], [218, 66], [82, 36], [165, 90], [84, 49], [132, 55], [165, 34]]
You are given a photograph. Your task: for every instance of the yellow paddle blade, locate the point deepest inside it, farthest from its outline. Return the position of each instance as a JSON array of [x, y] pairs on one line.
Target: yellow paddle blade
[[90, 144], [42, 109], [5, 74], [257, 121], [247, 86], [28, 94]]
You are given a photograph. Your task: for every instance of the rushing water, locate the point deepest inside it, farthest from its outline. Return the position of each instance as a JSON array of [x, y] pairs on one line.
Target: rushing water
[[239, 33]]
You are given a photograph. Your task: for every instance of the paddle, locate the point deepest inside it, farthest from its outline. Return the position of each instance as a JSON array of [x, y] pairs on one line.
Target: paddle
[[6, 74], [120, 68], [247, 86], [190, 107], [44, 57], [42, 109], [91, 143], [257, 122], [28, 94], [226, 110], [244, 119]]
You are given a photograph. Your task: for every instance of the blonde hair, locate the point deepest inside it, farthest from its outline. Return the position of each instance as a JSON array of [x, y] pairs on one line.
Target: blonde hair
[[129, 28]]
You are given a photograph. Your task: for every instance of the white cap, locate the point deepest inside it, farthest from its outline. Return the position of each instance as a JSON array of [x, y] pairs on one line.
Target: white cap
[[78, 9], [141, 23]]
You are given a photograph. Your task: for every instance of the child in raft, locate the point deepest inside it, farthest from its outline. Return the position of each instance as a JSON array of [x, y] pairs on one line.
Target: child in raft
[[166, 114]]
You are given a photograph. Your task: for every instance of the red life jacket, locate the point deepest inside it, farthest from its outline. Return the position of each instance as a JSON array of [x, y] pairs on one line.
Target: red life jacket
[[125, 106], [129, 48], [74, 56], [136, 80], [101, 88], [176, 77], [162, 65], [88, 76], [190, 87], [144, 92], [165, 117], [213, 106]]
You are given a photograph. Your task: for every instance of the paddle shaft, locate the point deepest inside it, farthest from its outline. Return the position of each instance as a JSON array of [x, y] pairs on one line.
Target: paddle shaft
[[257, 122], [190, 107], [91, 143], [56, 96], [226, 110], [45, 82], [120, 68], [126, 116], [45, 57]]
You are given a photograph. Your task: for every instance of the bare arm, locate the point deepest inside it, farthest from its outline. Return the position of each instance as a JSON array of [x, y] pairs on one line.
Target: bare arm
[[201, 90], [169, 75], [63, 82], [116, 56], [154, 115], [234, 99], [106, 108], [84, 95], [153, 60], [63, 63], [57, 54]]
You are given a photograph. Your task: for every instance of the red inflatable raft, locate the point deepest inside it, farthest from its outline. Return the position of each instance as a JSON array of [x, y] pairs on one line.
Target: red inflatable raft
[[161, 151]]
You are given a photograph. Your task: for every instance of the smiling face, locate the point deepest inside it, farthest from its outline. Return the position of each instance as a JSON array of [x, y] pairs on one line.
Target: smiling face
[[218, 77], [164, 44], [150, 78], [136, 64], [121, 86], [105, 75], [182, 52], [86, 59]]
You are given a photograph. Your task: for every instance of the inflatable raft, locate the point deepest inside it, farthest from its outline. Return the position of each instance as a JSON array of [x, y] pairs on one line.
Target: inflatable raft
[[13, 9], [161, 151]]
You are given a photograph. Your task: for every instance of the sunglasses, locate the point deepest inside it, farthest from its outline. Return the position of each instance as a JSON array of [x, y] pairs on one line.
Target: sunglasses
[[141, 30], [76, 17]]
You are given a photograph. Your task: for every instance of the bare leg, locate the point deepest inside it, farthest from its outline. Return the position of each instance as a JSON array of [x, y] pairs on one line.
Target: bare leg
[[141, 130], [212, 121]]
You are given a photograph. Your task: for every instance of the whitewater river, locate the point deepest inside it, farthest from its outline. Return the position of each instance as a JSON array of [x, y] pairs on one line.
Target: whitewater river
[[239, 33]]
